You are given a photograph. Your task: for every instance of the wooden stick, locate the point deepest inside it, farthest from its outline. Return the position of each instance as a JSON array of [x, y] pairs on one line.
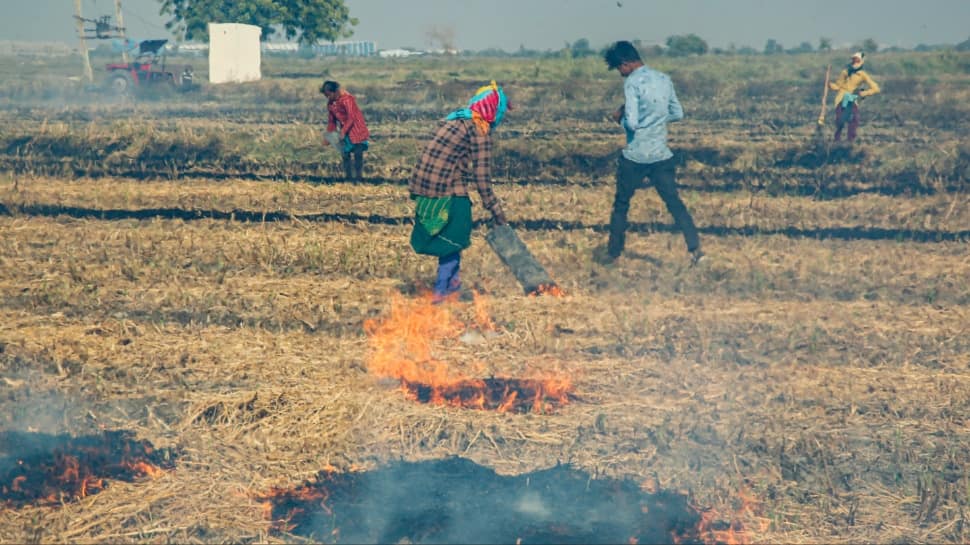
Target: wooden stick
[[825, 94]]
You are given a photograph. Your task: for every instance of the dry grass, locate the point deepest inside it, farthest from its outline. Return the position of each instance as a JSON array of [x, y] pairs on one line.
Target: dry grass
[[773, 368], [819, 359]]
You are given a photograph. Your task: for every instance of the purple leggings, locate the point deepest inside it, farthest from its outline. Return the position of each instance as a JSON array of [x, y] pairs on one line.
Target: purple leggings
[[449, 280], [841, 121]]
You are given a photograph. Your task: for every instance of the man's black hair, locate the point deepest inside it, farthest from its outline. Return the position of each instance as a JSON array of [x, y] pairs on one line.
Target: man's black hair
[[619, 53], [329, 87]]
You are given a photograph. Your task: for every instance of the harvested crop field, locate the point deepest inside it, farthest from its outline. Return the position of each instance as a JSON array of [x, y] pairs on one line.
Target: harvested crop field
[[193, 271]]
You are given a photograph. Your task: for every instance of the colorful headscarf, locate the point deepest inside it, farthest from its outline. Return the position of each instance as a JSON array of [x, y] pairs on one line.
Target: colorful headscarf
[[486, 109], [852, 68]]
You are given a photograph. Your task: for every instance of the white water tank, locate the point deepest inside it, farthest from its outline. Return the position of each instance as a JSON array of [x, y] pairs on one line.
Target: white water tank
[[234, 53]]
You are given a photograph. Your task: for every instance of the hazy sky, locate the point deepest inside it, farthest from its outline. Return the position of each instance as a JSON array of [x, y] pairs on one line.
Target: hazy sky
[[548, 24]]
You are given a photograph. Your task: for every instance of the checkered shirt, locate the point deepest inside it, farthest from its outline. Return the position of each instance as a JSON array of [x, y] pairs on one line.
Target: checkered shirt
[[458, 153]]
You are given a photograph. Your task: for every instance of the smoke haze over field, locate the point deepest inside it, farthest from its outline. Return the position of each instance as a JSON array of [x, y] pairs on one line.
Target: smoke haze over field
[[549, 24]]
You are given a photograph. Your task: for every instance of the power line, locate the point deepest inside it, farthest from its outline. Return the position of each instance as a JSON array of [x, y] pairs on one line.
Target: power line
[[129, 12], [144, 21]]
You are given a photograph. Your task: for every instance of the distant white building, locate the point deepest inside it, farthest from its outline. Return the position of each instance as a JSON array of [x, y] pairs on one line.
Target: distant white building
[[332, 49], [280, 47], [191, 49], [35, 49], [360, 48], [385, 53]]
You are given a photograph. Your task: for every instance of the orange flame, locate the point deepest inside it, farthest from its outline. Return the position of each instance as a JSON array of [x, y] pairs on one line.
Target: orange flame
[[77, 468], [552, 290], [304, 493], [403, 344], [90, 483], [482, 316], [145, 468], [711, 526], [71, 470]]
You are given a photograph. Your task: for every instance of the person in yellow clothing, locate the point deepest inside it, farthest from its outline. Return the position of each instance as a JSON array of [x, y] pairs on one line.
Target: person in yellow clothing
[[849, 95]]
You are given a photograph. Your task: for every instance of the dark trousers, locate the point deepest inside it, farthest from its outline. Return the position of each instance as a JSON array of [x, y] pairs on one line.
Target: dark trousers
[[846, 116], [629, 177], [358, 167]]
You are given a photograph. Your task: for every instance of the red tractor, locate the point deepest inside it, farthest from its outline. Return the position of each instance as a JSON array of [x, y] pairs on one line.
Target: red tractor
[[147, 71]]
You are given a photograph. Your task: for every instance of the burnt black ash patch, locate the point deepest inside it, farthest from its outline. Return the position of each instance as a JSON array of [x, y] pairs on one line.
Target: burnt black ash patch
[[455, 500]]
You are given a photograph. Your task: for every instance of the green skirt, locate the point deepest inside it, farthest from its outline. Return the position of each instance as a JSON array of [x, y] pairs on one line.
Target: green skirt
[[454, 237]]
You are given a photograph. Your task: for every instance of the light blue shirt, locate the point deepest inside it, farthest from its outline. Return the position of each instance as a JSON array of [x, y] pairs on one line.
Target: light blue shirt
[[650, 104]]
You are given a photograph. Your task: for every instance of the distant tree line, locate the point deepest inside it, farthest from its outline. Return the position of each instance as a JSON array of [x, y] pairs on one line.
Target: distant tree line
[[312, 22], [685, 45]]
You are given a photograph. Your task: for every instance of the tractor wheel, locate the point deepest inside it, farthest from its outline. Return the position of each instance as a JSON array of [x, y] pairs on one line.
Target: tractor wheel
[[120, 83]]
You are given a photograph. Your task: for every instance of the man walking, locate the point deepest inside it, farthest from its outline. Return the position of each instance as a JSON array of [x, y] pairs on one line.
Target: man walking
[[461, 147], [650, 103]]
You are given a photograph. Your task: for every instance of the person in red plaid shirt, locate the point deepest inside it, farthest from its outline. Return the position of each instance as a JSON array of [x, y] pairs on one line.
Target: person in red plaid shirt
[[458, 155], [343, 112]]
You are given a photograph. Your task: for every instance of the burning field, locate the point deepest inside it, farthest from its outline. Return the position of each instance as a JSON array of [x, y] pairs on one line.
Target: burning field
[[403, 345], [208, 337], [42, 469]]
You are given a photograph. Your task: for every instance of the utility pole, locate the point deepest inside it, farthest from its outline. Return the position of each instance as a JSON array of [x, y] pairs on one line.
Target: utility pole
[[124, 36], [85, 59]]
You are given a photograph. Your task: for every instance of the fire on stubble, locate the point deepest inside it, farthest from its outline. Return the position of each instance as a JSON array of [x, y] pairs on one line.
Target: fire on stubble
[[716, 529], [53, 469], [403, 345], [549, 290]]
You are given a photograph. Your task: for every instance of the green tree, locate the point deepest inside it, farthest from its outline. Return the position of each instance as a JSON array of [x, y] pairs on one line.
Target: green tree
[[825, 44], [772, 47], [683, 45], [581, 48], [310, 21], [870, 46]]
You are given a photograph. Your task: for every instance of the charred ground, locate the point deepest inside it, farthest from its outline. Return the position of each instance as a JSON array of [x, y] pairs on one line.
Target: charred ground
[[201, 277]]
